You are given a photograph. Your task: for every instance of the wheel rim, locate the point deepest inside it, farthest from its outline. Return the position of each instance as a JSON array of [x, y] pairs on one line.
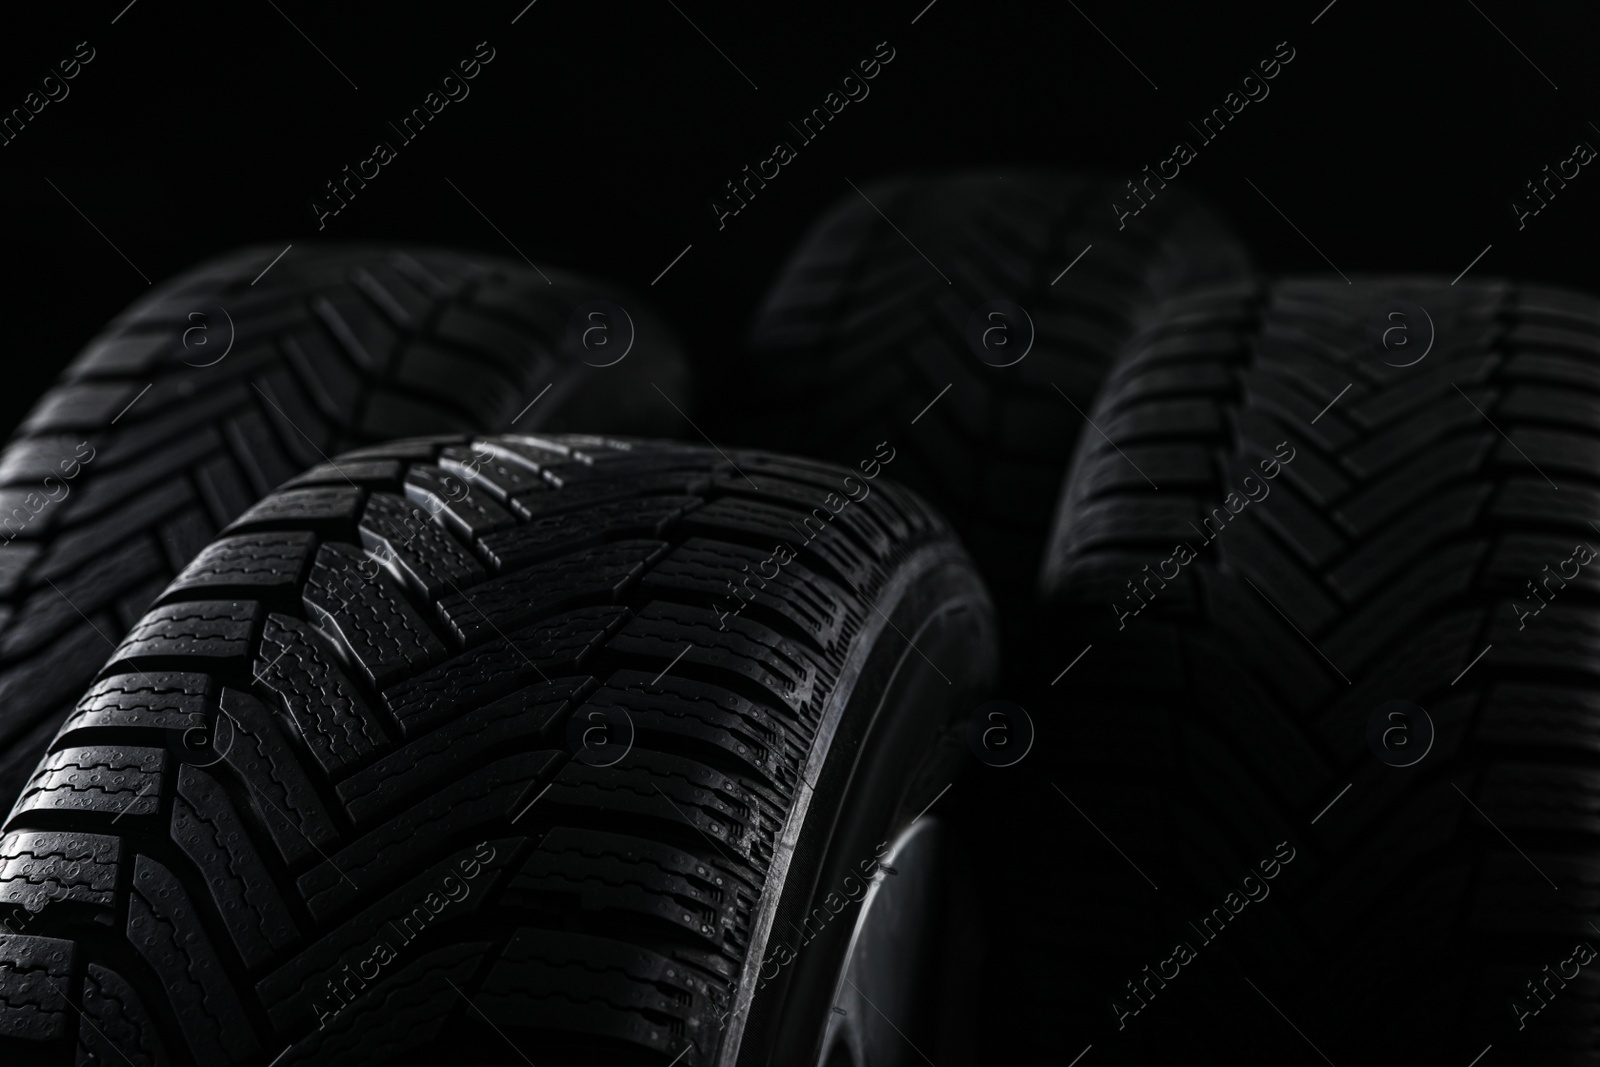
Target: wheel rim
[[885, 973]]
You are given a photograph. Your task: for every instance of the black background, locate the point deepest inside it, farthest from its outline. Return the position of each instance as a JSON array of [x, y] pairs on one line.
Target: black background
[[599, 133]]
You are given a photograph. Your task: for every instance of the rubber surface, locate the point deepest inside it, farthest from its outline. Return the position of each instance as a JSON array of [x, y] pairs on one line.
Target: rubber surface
[[1243, 713], [224, 382], [872, 318], [533, 779]]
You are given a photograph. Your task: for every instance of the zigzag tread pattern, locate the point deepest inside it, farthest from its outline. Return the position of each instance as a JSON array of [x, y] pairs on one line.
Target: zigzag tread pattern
[[859, 334], [1349, 526], [287, 851], [167, 427]]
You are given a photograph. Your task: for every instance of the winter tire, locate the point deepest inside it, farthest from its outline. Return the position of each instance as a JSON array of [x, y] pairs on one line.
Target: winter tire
[[455, 750], [1351, 630], [237, 375], [941, 312]]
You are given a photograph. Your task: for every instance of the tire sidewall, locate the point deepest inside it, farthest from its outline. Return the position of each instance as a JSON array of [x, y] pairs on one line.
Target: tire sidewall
[[893, 745]]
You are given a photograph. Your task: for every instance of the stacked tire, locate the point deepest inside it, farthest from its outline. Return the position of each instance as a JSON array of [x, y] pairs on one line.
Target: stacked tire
[[398, 677], [1365, 644]]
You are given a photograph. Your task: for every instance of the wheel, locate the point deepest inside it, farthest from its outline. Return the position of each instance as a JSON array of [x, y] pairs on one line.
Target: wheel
[[235, 376], [968, 317], [1362, 664], [573, 748]]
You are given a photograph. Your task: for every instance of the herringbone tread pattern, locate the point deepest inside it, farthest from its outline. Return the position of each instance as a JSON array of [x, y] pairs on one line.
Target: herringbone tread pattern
[[154, 440], [861, 332], [329, 808], [1231, 710]]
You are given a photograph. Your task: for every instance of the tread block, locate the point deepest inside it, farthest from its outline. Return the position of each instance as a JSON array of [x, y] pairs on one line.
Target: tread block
[[261, 453], [209, 831], [34, 972], [334, 385], [426, 556], [512, 600], [94, 496], [323, 979], [411, 450], [212, 629], [372, 473], [693, 713], [675, 790], [122, 1030], [261, 565], [222, 486], [27, 513], [485, 467], [48, 678], [161, 700], [116, 355], [481, 674], [371, 623], [98, 584], [600, 875], [870, 525], [531, 453], [570, 981], [802, 532], [1538, 796], [516, 720], [28, 461], [182, 538], [81, 406], [387, 851], [792, 675], [40, 867], [443, 494], [162, 926], [388, 1022], [130, 606], [182, 415], [364, 335], [112, 781], [432, 370], [331, 716], [613, 462], [542, 538], [328, 508], [16, 560], [590, 458], [393, 292], [793, 592], [607, 486], [281, 793], [467, 326], [80, 544], [1541, 715]]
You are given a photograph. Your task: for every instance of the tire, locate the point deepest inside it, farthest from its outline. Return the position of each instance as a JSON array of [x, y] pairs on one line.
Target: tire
[[861, 333], [153, 440], [529, 716], [1244, 711]]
